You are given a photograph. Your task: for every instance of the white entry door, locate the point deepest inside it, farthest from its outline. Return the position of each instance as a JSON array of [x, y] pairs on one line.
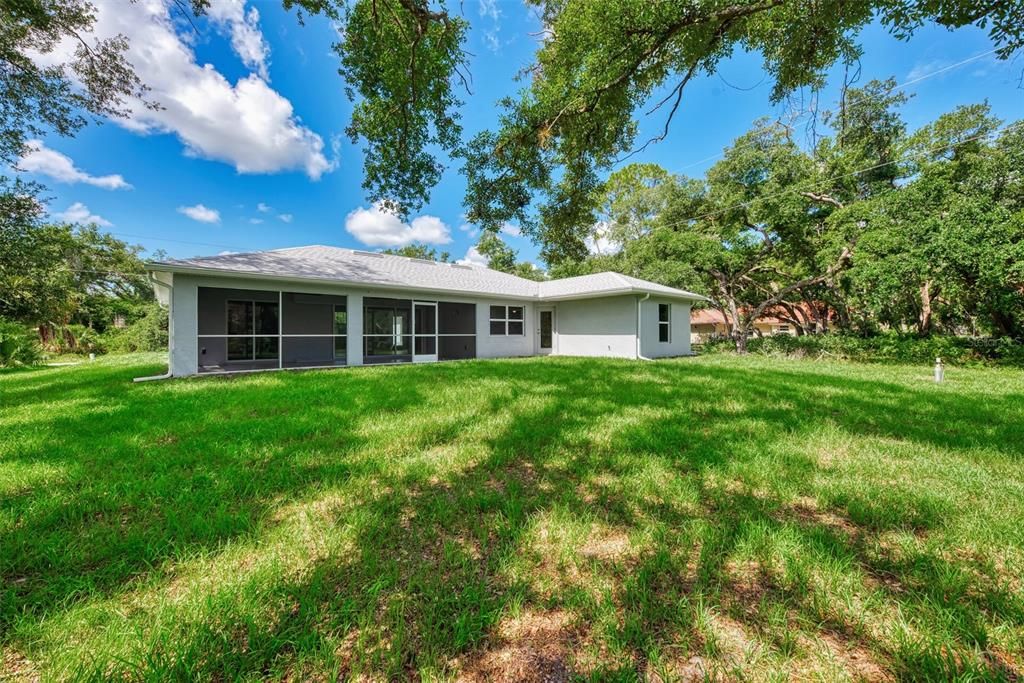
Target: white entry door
[[424, 331], [545, 330]]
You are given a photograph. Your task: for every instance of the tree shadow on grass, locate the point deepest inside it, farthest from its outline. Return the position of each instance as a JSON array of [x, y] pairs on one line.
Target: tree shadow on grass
[[432, 576]]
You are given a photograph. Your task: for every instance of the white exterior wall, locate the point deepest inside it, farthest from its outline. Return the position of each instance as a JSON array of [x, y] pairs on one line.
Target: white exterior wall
[[604, 326], [679, 339], [500, 346], [184, 322]]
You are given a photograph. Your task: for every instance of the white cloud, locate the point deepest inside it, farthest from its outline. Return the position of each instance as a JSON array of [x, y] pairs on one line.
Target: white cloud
[[262, 208], [200, 213], [286, 217], [598, 242], [511, 229], [470, 230], [43, 160], [246, 124], [246, 39], [226, 253], [79, 213], [492, 41], [473, 258], [489, 8], [255, 221], [379, 228], [921, 69]]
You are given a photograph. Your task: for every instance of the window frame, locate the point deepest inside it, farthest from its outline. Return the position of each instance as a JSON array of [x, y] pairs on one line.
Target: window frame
[[666, 324], [252, 335], [506, 320]]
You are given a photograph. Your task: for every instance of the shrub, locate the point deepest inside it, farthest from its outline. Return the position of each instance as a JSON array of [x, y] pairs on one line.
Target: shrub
[[147, 333], [885, 348], [18, 345]]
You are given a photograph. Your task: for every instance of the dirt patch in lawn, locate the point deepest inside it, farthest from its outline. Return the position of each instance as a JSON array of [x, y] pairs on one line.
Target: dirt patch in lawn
[[534, 647]]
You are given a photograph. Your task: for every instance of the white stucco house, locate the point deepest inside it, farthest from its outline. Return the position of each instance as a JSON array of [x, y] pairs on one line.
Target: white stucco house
[[322, 306]]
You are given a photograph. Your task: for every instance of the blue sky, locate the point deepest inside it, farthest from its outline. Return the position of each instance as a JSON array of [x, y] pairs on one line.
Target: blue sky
[[249, 154]]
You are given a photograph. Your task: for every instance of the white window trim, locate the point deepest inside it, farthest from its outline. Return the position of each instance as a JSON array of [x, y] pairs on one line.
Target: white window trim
[[666, 323], [506, 320]]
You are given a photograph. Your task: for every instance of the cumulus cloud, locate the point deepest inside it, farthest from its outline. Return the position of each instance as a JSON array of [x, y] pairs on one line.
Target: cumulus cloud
[[255, 221], [247, 124], [511, 229], [598, 242], [41, 159], [79, 213], [262, 208], [286, 217], [473, 258], [246, 38], [379, 228], [200, 213]]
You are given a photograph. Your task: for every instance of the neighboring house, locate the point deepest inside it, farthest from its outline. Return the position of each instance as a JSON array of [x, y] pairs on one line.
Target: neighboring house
[[325, 306], [710, 322]]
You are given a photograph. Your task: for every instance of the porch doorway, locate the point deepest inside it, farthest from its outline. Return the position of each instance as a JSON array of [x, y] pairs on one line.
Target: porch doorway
[[424, 326]]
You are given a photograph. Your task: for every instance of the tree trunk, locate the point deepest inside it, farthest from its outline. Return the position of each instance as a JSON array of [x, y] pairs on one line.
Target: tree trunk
[[924, 321], [740, 336]]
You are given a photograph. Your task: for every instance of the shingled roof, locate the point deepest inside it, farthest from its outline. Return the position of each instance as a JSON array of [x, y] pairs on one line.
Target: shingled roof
[[349, 266]]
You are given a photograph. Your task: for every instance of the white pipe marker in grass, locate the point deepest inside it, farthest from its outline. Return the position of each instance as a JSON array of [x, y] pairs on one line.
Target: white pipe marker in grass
[[940, 373]]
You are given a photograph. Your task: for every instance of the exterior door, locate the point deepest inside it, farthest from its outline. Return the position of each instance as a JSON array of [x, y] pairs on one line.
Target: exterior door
[[545, 331], [424, 331]]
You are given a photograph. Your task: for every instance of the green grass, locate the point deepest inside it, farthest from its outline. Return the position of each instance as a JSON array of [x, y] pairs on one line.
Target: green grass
[[723, 517]]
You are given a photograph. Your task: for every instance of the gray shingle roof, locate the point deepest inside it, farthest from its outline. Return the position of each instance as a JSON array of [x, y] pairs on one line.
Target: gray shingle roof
[[368, 268], [600, 284]]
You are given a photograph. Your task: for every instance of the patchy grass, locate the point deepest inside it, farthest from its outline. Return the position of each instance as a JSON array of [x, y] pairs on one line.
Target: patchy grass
[[542, 519]]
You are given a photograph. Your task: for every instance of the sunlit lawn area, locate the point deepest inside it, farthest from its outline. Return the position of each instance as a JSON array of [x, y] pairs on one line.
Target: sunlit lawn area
[[536, 519]]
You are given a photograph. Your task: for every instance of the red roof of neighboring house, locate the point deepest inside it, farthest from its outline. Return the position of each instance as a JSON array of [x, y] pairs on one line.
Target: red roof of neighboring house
[[711, 316]]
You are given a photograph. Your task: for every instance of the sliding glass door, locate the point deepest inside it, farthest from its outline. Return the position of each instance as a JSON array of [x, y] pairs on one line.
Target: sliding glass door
[[387, 330]]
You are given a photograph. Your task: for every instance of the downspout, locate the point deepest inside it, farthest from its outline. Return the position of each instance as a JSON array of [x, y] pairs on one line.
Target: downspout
[[170, 333], [639, 326]]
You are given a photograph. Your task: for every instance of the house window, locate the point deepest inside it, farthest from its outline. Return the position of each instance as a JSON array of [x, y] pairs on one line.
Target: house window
[[507, 321], [252, 330], [664, 323]]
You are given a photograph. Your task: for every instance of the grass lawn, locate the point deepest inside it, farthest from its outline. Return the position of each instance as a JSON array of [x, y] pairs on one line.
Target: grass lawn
[[536, 519]]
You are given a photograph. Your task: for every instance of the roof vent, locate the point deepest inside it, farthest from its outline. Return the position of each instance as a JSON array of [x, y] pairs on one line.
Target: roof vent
[[423, 260], [459, 265], [371, 254]]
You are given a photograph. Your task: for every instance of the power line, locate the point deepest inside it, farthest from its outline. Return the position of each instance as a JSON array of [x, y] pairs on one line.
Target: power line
[[823, 181], [899, 86], [167, 239]]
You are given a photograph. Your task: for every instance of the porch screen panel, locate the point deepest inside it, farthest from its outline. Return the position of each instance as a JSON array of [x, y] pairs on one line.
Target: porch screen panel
[[456, 331], [314, 330]]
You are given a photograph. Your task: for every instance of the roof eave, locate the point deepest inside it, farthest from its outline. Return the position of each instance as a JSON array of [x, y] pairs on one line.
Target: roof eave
[[597, 294], [156, 266]]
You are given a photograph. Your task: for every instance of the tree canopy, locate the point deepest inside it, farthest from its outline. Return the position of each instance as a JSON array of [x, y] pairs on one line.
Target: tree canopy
[[871, 227]]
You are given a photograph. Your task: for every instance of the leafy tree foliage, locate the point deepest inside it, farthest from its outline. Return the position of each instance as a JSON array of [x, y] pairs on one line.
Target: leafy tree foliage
[[52, 276], [604, 59], [870, 228], [502, 257], [420, 251]]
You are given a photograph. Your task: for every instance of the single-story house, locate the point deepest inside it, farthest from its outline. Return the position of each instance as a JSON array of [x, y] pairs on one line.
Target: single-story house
[[322, 306]]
